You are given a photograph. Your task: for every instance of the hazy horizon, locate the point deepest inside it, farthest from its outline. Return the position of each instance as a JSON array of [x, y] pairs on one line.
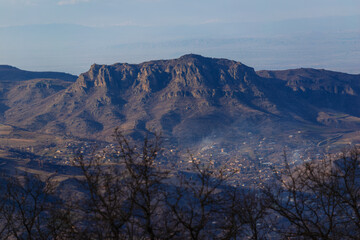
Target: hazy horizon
[[70, 35]]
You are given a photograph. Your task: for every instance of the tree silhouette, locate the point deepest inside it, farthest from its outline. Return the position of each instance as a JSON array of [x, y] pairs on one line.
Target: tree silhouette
[[319, 199], [123, 194]]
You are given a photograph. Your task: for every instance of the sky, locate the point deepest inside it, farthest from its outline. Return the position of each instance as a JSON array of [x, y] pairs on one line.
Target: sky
[[70, 35]]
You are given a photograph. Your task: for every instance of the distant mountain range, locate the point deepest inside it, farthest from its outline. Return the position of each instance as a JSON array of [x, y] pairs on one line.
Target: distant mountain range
[[188, 99], [9, 73]]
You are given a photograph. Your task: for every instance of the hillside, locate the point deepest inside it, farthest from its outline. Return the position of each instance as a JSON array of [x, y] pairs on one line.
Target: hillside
[[19, 87]]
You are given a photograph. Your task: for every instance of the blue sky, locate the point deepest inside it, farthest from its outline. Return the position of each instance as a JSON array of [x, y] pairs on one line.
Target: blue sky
[[70, 35]]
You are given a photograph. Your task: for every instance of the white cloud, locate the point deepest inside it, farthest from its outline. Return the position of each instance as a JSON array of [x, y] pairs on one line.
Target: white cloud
[[71, 2]]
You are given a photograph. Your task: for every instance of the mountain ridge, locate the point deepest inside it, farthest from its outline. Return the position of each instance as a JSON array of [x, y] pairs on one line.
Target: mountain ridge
[[8, 72], [189, 99]]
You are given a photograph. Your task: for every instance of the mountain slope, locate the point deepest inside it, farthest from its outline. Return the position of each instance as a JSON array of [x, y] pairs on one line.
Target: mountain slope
[[332, 93], [18, 88]]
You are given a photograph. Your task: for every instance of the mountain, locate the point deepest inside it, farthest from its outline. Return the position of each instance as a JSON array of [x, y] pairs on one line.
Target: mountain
[[19, 87], [331, 93], [14, 74], [190, 99]]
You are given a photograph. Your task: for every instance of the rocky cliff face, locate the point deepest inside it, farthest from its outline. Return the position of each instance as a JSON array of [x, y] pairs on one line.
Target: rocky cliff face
[[190, 98], [173, 96]]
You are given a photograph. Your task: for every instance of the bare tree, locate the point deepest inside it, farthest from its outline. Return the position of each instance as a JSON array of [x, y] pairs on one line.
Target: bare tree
[[245, 215], [198, 200], [319, 199], [146, 183], [4, 227], [104, 205], [124, 192], [339, 178], [28, 199]]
